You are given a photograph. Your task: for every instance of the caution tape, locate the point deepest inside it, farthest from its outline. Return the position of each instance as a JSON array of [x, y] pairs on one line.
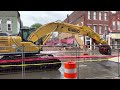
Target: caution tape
[[89, 60], [20, 65], [83, 60]]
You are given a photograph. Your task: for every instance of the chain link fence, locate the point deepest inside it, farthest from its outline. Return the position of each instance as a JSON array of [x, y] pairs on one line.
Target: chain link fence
[[87, 67]]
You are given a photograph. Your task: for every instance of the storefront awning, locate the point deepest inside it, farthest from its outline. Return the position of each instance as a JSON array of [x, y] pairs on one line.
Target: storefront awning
[[115, 36]]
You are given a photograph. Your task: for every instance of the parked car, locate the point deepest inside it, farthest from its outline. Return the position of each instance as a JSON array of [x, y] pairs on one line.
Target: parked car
[[4, 34]]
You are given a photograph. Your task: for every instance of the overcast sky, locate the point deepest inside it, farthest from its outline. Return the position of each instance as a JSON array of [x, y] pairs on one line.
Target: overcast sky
[[30, 17]]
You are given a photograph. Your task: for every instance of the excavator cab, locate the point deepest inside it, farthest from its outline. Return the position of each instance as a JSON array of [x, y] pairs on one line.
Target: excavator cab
[[25, 33]]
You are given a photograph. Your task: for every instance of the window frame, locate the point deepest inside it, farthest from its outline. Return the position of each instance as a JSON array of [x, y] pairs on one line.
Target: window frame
[[105, 16], [95, 16], [94, 28], [106, 26], [0, 24], [118, 25], [100, 16], [113, 26], [9, 19], [89, 15], [100, 30]]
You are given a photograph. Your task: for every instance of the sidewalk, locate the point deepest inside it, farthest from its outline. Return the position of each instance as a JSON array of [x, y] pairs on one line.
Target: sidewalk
[[115, 59]]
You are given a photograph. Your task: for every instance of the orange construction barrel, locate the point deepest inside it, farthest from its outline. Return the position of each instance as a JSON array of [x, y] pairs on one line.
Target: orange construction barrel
[[70, 71]]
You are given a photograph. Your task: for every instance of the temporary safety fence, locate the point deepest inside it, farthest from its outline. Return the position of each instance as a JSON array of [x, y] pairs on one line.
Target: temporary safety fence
[[63, 53]]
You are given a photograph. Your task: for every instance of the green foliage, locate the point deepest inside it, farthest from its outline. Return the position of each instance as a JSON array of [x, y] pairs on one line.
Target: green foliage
[[33, 28], [36, 25]]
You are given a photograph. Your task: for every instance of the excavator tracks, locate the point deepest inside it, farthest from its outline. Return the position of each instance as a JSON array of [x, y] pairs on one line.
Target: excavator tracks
[[29, 64]]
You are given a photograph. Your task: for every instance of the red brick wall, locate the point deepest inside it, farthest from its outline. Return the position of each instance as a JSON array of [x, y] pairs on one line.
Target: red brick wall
[[73, 16], [98, 22], [85, 20], [114, 17]]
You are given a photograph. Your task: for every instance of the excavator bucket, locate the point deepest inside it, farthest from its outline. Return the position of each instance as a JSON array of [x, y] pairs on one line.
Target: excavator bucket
[[105, 49]]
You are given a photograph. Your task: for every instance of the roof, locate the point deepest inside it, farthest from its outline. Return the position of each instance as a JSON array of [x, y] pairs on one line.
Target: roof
[[74, 16]]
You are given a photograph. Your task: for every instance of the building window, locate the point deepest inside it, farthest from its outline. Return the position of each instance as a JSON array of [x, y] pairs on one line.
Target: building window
[[100, 15], [106, 15], [89, 14], [88, 41], [100, 29], [95, 15], [118, 25], [106, 29], [95, 28], [0, 24], [114, 25], [9, 25]]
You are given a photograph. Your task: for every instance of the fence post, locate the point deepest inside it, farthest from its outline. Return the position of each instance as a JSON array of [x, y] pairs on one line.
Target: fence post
[[23, 62], [118, 64], [85, 49], [70, 71]]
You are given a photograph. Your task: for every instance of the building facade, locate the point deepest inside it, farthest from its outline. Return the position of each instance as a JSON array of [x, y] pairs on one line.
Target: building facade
[[114, 30], [99, 21], [10, 22]]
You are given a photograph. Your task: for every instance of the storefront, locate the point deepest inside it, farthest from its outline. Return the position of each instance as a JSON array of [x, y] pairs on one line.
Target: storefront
[[115, 40]]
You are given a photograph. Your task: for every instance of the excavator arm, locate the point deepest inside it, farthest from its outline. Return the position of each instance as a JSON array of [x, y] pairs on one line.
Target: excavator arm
[[73, 29], [79, 41], [47, 37], [66, 28]]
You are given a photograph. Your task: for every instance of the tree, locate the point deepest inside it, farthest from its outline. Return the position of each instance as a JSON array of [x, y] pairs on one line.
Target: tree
[[36, 25]]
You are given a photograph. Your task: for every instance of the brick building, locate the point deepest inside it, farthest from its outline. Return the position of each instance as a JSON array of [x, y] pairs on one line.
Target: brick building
[[114, 30], [97, 20]]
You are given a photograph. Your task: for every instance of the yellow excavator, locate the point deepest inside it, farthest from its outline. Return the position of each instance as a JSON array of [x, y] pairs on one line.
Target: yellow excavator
[[12, 46]]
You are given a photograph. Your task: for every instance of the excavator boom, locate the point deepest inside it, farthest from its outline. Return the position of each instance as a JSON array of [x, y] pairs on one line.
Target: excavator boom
[[66, 28], [73, 29]]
